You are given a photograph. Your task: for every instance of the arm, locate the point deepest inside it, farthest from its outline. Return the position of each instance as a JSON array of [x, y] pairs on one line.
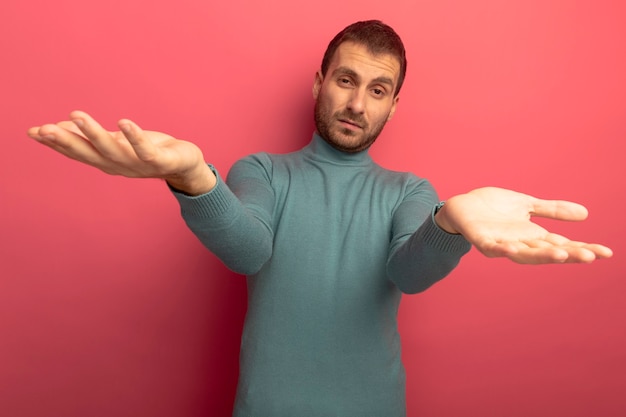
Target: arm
[[498, 222], [209, 207], [234, 220], [130, 152], [421, 253]]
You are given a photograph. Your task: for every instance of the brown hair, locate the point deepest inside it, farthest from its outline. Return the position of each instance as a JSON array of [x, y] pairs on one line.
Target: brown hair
[[377, 37]]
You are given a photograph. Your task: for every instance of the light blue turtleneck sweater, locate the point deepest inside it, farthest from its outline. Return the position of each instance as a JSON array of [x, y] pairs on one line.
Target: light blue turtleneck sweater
[[329, 241]]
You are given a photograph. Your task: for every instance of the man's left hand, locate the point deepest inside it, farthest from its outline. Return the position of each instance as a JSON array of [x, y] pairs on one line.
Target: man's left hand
[[498, 223]]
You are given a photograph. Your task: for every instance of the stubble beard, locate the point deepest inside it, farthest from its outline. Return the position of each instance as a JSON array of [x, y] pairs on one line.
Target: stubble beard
[[324, 120]]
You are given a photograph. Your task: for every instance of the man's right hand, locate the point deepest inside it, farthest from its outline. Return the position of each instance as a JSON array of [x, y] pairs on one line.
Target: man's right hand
[[131, 152]]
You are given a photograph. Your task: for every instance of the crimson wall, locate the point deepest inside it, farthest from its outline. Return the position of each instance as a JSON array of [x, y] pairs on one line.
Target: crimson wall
[[110, 307]]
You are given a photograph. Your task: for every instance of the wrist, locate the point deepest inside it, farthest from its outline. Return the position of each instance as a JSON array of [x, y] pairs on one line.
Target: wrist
[[196, 181], [442, 220]]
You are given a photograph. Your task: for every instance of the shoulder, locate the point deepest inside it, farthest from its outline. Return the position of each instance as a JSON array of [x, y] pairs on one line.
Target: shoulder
[[251, 165], [407, 181], [263, 165]]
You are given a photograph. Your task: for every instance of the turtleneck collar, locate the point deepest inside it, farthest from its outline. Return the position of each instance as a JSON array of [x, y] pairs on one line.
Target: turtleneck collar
[[318, 149]]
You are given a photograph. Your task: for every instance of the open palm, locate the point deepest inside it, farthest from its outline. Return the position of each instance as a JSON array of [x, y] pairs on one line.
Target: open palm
[[131, 151], [498, 223]]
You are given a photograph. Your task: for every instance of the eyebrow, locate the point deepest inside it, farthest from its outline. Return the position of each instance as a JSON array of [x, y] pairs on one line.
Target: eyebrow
[[352, 73]]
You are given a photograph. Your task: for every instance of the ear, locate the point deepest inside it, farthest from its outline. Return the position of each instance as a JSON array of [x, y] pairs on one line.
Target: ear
[[393, 107], [317, 84]]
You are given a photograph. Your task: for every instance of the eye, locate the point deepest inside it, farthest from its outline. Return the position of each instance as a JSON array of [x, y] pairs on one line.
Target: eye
[[378, 92], [344, 81]]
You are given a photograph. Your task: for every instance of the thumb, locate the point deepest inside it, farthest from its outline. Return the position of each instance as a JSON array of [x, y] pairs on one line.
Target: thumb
[[559, 210]]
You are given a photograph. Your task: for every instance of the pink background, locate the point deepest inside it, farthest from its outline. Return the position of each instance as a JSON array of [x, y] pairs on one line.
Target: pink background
[[110, 307]]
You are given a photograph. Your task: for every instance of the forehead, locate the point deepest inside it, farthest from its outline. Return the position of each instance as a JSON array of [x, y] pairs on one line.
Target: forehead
[[359, 59]]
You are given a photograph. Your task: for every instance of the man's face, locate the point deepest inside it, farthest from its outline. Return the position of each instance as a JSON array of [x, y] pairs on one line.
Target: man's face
[[355, 98]]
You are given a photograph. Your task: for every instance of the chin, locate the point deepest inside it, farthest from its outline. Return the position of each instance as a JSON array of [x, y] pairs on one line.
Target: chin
[[348, 144]]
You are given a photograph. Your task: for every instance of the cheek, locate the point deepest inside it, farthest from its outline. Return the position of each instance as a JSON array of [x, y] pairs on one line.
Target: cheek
[[335, 98], [379, 116], [380, 112]]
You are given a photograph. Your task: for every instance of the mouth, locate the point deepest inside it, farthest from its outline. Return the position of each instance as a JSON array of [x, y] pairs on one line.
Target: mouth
[[350, 124]]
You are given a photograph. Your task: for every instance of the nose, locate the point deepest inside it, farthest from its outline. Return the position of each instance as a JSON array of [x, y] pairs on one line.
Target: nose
[[357, 101]]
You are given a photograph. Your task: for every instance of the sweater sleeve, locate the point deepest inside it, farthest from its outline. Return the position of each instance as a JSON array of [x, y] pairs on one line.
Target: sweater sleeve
[[233, 220], [421, 253]]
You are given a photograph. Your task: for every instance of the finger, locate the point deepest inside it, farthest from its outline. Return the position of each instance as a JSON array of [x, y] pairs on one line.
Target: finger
[[579, 255], [559, 210], [587, 251], [536, 252], [143, 147], [38, 132], [560, 254], [599, 251], [577, 251], [67, 143], [70, 126], [552, 249], [538, 243], [101, 139], [33, 132], [539, 255]]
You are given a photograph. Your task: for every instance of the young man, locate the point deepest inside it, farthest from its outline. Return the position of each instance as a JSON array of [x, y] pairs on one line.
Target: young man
[[329, 240]]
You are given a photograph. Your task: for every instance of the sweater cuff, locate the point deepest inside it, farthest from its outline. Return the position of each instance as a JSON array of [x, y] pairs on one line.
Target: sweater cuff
[[436, 237], [206, 206]]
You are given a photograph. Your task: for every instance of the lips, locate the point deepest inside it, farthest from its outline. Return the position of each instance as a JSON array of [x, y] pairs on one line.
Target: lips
[[351, 122]]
